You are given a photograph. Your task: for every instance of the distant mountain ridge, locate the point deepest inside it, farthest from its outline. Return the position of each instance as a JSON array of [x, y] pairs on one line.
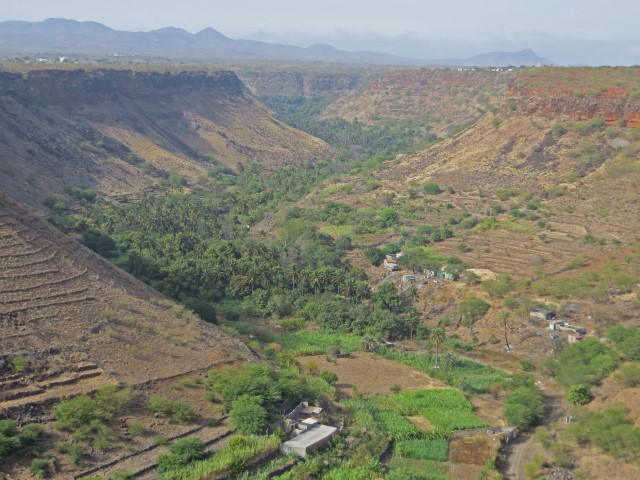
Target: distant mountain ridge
[[63, 36], [500, 59]]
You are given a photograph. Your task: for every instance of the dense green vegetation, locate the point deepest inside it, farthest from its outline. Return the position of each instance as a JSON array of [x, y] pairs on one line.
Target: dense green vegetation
[[524, 405], [253, 393], [314, 343], [192, 246], [610, 430], [586, 362], [354, 137], [626, 340], [14, 439]]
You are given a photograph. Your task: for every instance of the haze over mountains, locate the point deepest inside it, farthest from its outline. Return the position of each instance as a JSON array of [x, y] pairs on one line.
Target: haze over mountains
[[62, 36]]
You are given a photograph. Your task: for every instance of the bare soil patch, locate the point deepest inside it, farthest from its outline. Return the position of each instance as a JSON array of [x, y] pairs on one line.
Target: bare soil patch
[[372, 374], [476, 450], [420, 422]]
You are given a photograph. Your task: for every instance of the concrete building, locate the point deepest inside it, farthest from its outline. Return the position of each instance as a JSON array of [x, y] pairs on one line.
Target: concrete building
[[309, 441]]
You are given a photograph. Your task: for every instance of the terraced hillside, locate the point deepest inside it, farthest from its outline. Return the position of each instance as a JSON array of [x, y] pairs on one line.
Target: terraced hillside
[[78, 322], [119, 131]]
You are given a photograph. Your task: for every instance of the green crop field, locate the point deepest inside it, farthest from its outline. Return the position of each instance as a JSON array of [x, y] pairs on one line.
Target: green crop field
[[445, 409], [437, 450], [316, 343], [462, 373]]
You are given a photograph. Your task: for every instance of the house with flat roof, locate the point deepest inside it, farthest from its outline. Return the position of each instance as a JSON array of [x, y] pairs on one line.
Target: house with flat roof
[[308, 441]]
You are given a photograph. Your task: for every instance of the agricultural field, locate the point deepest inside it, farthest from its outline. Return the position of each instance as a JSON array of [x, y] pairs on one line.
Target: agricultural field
[[460, 372], [308, 343], [371, 374]]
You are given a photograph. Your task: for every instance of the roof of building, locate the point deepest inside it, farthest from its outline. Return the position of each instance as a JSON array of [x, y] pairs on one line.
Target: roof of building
[[311, 437], [311, 409]]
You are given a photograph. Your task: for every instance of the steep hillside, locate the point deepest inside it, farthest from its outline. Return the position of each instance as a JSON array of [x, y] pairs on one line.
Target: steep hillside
[[441, 99], [542, 188], [80, 322], [119, 131]]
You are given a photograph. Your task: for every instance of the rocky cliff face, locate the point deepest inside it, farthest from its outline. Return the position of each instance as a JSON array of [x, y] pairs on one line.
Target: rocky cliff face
[[296, 84], [611, 105], [95, 86], [119, 131]]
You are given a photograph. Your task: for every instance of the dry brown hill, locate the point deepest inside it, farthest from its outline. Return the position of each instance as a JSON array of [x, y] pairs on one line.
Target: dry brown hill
[[81, 322], [119, 131], [554, 194], [442, 99]]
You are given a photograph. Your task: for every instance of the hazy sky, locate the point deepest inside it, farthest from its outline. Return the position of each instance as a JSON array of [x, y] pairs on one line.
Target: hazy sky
[[567, 31]]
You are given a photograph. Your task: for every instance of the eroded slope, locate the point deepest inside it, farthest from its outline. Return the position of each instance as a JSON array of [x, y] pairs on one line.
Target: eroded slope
[[119, 131], [75, 317]]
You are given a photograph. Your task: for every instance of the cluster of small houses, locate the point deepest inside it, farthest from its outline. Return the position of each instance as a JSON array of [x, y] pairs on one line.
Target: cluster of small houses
[[575, 333], [391, 263]]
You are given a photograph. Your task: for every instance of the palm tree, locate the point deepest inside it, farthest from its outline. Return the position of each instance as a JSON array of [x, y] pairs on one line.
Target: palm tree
[[369, 343], [412, 319], [412, 294], [437, 337], [505, 317]]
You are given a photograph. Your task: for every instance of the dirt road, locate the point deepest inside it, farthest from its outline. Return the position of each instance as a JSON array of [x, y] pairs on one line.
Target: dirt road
[[517, 452]]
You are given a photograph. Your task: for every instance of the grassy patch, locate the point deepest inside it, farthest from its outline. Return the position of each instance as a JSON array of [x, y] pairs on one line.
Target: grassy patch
[[436, 450], [316, 343], [232, 458], [458, 372], [517, 227], [445, 409], [404, 468]]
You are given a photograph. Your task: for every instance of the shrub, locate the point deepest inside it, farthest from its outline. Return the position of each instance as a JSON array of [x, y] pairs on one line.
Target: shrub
[[248, 416], [626, 339], [330, 377], [74, 451], [31, 433], [292, 324], [82, 193], [177, 412], [9, 441], [20, 364], [579, 394], [527, 365], [432, 188], [629, 375], [472, 309], [8, 428], [55, 203], [79, 412], [374, 255], [586, 362], [610, 430], [181, 454], [137, 429], [39, 467], [159, 440], [524, 407]]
